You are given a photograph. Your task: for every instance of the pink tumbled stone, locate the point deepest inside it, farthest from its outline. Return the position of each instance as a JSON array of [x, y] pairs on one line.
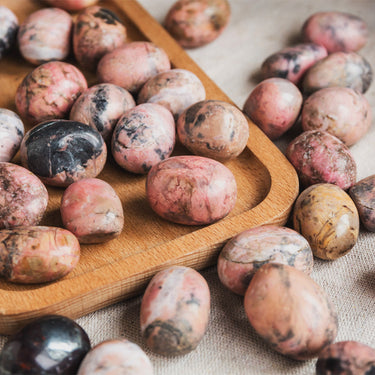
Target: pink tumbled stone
[[11, 133], [132, 65], [176, 90], [143, 136], [175, 311], [49, 91], [320, 157], [113, 357], [71, 5], [23, 197], [101, 106], [191, 190], [45, 35], [92, 211], [274, 106]]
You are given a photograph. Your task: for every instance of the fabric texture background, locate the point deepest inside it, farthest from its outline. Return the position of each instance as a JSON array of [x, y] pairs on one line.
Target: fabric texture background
[[257, 29]]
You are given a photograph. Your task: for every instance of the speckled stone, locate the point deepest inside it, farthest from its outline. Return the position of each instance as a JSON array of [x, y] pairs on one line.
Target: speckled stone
[[45, 35], [274, 106], [49, 91], [23, 197], [346, 358], [327, 217], [132, 65], [320, 157], [176, 90], [340, 111], [214, 129], [290, 311], [175, 311], [113, 357], [292, 62], [363, 195], [246, 252], [92, 211], [101, 106], [97, 31], [11, 134], [336, 31], [176, 188], [143, 137], [8, 29], [194, 23], [61, 152], [344, 69], [37, 254]]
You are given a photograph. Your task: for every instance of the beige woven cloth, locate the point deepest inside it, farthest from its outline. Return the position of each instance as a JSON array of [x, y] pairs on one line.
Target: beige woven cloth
[[257, 29]]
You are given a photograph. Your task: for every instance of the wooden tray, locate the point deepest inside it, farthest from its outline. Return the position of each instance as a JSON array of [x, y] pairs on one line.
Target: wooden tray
[[110, 272]]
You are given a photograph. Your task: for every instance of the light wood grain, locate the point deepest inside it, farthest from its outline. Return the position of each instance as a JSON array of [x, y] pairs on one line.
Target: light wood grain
[[110, 272]]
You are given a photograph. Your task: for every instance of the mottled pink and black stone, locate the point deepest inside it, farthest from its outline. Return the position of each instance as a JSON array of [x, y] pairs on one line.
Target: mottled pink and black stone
[[49, 345], [8, 29], [61, 152]]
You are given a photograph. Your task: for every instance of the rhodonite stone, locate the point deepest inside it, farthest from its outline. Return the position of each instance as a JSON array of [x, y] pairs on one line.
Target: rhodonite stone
[[290, 311], [119, 356], [292, 62], [49, 91], [97, 31], [11, 134], [336, 31], [51, 344], [101, 106], [175, 311], [246, 252], [92, 211], [45, 35], [61, 152], [176, 90], [8, 29], [143, 136], [363, 195], [23, 197], [37, 254], [176, 188]]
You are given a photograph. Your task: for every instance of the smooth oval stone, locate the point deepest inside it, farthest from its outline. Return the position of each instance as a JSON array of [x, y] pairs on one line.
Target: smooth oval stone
[[214, 129], [51, 344], [61, 152], [274, 106], [71, 5], [340, 111], [101, 106], [119, 67], [246, 252], [11, 134], [363, 195], [45, 35], [144, 136], [92, 211], [326, 216], [344, 69], [292, 62], [176, 90], [97, 31], [49, 91], [196, 23], [346, 357], [8, 29], [176, 188], [37, 254], [175, 311], [23, 197], [116, 357], [336, 31], [320, 157], [291, 312]]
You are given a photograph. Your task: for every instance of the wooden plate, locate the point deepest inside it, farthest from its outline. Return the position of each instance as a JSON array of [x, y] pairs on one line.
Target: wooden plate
[[110, 272]]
